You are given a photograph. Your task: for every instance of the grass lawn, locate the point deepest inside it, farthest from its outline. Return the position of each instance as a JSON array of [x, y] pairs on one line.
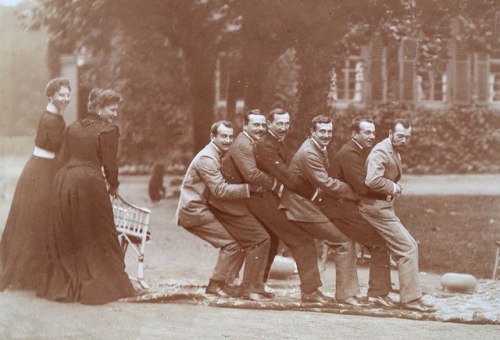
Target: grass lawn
[[455, 233]]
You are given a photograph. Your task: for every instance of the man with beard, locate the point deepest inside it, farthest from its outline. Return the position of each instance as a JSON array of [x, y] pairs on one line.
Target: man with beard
[[383, 171], [256, 159], [308, 171], [204, 187], [348, 165]]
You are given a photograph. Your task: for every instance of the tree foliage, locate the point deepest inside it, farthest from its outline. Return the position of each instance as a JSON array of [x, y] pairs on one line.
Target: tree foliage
[[169, 46], [163, 53]]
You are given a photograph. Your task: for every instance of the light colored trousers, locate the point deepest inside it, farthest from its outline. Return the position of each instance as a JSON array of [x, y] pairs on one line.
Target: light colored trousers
[[231, 254], [346, 271], [403, 247]]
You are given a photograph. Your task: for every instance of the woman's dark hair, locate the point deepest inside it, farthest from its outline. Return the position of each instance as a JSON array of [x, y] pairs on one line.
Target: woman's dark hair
[[101, 98], [55, 84]]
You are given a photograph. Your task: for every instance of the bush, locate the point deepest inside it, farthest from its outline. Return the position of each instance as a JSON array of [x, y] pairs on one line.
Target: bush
[[453, 140]]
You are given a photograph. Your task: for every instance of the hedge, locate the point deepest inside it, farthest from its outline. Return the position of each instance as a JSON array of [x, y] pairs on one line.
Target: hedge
[[453, 140], [448, 141]]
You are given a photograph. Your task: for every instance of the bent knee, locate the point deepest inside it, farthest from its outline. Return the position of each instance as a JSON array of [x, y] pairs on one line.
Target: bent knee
[[342, 247]]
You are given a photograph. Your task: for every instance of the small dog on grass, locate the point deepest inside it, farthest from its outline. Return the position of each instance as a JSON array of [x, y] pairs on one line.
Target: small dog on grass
[[156, 189]]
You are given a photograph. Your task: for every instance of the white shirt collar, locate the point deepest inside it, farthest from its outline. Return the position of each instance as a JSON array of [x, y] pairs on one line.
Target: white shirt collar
[[248, 136], [357, 144], [52, 108], [216, 148], [322, 148], [277, 138]]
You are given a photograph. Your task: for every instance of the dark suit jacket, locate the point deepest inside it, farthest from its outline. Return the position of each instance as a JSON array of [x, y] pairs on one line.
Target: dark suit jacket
[[273, 159], [239, 165], [348, 165]]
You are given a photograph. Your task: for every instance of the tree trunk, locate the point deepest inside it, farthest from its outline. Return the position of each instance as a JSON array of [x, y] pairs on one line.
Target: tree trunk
[[201, 71], [234, 92], [314, 85]]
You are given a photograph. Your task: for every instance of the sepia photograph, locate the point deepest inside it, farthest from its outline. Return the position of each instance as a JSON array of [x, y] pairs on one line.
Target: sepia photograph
[[250, 169]]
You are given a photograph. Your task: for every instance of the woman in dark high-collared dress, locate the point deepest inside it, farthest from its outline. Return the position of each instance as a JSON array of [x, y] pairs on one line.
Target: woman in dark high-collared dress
[[86, 263], [23, 243]]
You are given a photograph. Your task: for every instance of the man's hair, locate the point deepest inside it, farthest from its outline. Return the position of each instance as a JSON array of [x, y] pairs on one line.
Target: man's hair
[[55, 84], [356, 122], [215, 126], [273, 112], [251, 112], [320, 119], [405, 122]]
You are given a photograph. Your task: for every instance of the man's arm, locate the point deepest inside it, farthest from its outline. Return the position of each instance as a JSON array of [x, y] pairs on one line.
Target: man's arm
[[244, 160], [208, 169], [268, 160], [314, 170], [375, 170], [353, 171]]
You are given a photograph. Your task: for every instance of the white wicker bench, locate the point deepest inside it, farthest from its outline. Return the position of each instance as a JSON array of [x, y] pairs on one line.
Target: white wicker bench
[[132, 224]]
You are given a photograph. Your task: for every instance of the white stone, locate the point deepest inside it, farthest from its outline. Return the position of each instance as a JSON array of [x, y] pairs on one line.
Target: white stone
[[458, 282], [282, 268]]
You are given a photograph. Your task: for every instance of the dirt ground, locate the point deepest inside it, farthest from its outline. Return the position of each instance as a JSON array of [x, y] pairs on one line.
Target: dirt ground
[[174, 255]]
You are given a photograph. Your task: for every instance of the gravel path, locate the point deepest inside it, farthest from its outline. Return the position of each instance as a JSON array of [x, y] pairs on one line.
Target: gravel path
[[174, 255]]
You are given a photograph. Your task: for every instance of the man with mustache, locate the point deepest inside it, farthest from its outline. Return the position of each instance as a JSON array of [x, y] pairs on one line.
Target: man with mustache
[[255, 159], [308, 171], [242, 225], [254, 127], [203, 190], [383, 171], [348, 165]]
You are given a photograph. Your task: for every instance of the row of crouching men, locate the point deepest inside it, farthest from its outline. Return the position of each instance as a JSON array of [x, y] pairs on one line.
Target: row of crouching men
[[245, 194]]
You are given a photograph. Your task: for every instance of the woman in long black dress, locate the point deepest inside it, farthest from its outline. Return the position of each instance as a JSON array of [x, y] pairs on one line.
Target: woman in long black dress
[[24, 237], [86, 264]]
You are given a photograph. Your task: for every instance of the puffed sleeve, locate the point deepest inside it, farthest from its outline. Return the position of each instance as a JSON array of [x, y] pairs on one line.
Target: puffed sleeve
[[108, 145], [50, 132]]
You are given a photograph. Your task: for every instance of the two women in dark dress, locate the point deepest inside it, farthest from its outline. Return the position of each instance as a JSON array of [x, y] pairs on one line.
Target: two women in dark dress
[[60, 238], [86, 263], [23, 243]]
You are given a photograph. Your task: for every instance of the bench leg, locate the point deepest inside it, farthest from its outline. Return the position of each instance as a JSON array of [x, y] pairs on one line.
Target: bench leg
[[497, 260], [140, 273]]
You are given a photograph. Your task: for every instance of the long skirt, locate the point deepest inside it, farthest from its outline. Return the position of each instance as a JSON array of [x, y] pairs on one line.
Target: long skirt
[[23, 244], [86, 263]]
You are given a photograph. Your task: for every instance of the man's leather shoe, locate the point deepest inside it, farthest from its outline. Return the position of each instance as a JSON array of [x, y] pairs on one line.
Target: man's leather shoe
[[315, 297], [353, 301], [233, 291], [257, 296], [418, 306], [216, 288], [266, 295], [382, 301]]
